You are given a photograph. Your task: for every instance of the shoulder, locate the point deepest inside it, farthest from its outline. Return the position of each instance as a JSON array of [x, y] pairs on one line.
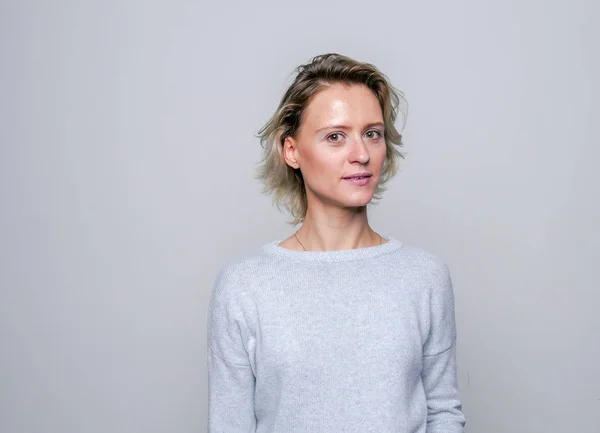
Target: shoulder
[[421, 268], [244, 266], [419, 258], [236, 275], [431, 272]]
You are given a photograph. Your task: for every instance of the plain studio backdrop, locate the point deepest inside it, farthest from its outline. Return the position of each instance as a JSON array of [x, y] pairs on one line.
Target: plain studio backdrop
[[128, 151]]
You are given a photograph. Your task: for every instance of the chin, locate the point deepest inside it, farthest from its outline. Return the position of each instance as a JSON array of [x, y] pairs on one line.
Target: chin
[[361, 201], [346, 199]]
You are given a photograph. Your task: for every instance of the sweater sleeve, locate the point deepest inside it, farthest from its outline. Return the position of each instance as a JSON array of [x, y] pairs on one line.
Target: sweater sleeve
[[444, 408], [231, 377]]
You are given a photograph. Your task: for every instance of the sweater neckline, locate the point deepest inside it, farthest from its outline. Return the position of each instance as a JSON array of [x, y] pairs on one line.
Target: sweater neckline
[[389, 246]]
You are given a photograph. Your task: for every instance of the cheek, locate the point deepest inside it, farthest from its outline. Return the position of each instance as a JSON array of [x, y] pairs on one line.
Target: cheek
[[378, 157], [323, 165]]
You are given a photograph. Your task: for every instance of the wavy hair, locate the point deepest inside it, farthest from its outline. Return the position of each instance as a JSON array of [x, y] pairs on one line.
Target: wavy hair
[[284, 183]]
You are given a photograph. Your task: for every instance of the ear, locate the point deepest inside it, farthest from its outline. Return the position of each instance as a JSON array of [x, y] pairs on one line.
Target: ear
[[290, 152]]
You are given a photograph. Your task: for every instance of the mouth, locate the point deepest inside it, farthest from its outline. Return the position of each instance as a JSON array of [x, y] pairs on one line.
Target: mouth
[[358, 176], [358, 179]]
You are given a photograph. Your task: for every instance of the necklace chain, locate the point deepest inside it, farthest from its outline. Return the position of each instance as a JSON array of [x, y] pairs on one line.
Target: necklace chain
[[296, 236], [304, 248]]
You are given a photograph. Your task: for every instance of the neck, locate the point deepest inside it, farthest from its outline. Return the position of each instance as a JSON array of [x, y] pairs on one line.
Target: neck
[[337, 229]]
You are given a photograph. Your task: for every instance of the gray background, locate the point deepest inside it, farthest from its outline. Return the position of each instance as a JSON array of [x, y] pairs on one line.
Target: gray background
[[127, 155]]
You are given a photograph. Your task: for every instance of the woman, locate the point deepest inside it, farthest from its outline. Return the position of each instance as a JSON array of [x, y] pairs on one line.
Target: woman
[[336, 328]]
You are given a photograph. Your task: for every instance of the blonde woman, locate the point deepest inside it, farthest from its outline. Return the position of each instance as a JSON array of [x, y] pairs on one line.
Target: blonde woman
[[337, 328]]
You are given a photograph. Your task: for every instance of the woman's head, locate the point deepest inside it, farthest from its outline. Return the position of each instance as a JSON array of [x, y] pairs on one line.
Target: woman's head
[[335, 121]]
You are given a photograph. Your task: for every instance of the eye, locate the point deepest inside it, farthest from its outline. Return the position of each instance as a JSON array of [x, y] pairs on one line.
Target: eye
[[373, 134], [335, 137]]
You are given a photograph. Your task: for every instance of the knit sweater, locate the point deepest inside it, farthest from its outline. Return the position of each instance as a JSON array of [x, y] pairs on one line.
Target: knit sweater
[[353, 341]]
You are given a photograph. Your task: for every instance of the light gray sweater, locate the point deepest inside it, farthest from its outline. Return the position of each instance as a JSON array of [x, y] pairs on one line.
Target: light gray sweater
[[350, 341]]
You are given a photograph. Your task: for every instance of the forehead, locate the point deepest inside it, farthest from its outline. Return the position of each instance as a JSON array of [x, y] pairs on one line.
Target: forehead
[[343, 103]]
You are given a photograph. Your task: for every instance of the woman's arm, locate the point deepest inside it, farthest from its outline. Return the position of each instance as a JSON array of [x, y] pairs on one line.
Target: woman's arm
[[444, 408], [230, 375]]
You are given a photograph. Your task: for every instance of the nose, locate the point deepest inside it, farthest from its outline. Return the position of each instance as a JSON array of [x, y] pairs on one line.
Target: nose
[[359, 152]]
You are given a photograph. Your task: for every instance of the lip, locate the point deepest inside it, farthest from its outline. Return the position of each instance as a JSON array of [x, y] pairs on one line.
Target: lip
[[358, 179]]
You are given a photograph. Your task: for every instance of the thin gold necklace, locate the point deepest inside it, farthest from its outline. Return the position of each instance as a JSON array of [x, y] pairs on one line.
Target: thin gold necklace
[[296, 236], [302, 245]]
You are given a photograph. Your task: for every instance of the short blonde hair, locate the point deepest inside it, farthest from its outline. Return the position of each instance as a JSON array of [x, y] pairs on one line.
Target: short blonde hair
[[285, 183]]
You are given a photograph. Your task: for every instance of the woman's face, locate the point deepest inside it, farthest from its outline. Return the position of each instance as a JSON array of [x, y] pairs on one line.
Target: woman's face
[[340, 146]]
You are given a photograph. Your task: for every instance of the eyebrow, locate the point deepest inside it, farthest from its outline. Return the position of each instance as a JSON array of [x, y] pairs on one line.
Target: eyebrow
[[346, 128]]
